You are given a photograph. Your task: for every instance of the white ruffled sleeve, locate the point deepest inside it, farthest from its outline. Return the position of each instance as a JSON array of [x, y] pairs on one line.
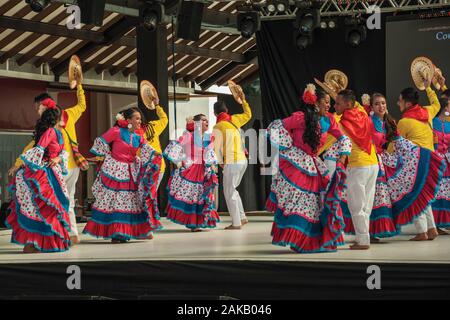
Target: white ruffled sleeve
[[100, 148], [148, 154], [278, 135], [33, 158], [344, 146], [174, 152]]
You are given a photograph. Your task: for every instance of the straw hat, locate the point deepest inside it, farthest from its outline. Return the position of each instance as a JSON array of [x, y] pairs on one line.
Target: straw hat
[[236, 90], [148, 94], [437, 75], [421, 68], [75, 72], [334, 82], [337, 79]]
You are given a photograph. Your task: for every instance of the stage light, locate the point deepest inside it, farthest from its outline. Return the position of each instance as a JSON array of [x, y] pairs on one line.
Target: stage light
[[306, 22], [302, 41], [248, 23], [37, 5], [323, 25], [331, 24], [303, 5], [281, 7], [150, 15], [354, 36], [356, 31], [271, 8]]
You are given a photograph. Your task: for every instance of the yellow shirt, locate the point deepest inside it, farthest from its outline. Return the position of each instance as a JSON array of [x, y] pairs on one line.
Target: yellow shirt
[[74, 113], [158, 127], [227, 139], [360, 158], [419, 132]]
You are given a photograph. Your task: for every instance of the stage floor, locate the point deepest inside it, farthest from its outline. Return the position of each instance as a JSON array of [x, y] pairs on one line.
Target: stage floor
[[252, 243]]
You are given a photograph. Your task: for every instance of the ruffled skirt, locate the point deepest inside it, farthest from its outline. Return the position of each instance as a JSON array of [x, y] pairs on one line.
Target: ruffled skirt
[[125, 204], [191, 197], [39, 210]]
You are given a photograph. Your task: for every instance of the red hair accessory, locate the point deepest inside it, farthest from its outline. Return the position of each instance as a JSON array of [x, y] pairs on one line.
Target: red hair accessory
[[309, 95], [122, 123], [49, 103], [190, 124]]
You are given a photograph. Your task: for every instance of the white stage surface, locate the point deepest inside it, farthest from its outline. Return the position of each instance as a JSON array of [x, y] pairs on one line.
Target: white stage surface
[[252, 243]]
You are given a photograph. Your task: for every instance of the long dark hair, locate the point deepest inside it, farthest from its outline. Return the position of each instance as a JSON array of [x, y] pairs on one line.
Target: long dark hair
[[48, 119], [198, 117], [443, 102], [389, 122], [128, 114], [321, 94], [312, 133]]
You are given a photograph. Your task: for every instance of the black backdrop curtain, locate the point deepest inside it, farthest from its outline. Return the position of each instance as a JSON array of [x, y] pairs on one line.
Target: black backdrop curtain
[[285, 71]]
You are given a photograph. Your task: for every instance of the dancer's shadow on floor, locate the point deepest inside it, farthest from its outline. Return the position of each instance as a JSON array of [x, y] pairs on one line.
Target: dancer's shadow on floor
[[164, 231], [106, 242], [9, 251]]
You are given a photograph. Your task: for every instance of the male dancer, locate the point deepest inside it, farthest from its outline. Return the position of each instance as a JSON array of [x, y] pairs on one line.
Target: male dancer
[[362, 165], [229, 148]]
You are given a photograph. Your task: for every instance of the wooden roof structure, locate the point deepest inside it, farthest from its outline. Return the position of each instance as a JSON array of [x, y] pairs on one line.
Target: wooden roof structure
[[43, 38]]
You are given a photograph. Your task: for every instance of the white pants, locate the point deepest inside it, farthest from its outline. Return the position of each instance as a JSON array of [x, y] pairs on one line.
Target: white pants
[[232, 176], [361, 183], [425, 221], [71, 182], [331, 166]]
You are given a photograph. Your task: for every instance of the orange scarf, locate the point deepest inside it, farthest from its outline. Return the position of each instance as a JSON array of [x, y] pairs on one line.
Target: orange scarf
[[416, 112], [223, 116], [358, 127]]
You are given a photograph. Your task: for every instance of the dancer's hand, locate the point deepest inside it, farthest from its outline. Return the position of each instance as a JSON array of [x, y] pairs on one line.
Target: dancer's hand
[[427, 80], [12, 171], [441, 80], [53, 162], [343, 159]]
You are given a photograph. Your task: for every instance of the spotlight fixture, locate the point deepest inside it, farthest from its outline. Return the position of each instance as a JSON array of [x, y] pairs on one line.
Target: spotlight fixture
[[302, 41], [271, 8], [37, 5], [248, 23], [306, 22], [356, 31], [279, 6], [150, 15], [328, 24], [282, 6], [332, 24]]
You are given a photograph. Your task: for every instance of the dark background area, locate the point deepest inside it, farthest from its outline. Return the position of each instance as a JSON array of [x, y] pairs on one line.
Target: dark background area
[[285, 71], [407, 39]]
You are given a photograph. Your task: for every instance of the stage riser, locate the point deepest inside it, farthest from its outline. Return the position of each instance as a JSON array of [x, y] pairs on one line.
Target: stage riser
[[235, 279]]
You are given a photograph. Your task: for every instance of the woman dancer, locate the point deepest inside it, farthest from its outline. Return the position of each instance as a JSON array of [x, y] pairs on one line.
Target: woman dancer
[[191, 187], [305, 220], [441, 128], [125, 204], [39, 211], [381, 224]]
